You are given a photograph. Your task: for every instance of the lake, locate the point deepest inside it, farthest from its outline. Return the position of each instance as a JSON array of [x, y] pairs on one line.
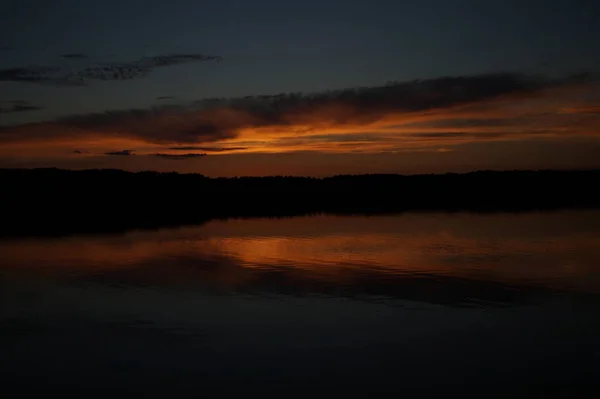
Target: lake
[[417, 304]]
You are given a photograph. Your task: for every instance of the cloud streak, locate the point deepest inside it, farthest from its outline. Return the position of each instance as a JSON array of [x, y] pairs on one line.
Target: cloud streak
[[207, 149], [64, 76], [397, 116], [18, 106], [75, 56], [129, 152], [178, 156], [29, 74], [120, 153]]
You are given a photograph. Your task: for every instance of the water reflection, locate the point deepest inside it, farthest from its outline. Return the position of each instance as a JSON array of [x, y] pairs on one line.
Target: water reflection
[[342, 302], [427, 257]]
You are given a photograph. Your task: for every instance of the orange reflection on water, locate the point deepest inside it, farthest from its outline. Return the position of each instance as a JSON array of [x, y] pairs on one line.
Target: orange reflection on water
[[560, 249]]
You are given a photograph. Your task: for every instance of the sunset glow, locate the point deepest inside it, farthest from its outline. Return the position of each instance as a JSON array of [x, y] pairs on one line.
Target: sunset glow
[[313, 125]]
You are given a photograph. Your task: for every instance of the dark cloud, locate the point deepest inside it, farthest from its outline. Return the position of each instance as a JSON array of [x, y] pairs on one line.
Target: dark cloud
[[158, 125], [175, 59], [141, 67], [218, 119], [208, 149], [31, 74], [110, 72], [120, 153], [18, 106], [165, 97], [364, 105], [6, 48], [75, 56], [104, 71], [44, 75], [23, 108], [178, 156], [214, 120]]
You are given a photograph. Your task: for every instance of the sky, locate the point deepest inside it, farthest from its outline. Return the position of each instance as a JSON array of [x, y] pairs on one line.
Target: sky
[[300, 88]]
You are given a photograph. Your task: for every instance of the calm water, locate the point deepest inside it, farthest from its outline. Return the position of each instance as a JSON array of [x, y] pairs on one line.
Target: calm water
[[417, 304]]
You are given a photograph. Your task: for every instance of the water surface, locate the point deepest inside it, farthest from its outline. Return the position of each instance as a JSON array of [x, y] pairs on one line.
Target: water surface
[[418, 304]]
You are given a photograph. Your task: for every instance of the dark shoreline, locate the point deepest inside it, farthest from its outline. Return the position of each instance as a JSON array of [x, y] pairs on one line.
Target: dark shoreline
[[47, 202]]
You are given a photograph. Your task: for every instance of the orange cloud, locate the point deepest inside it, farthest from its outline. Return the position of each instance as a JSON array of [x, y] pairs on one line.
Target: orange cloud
[[428, 115]]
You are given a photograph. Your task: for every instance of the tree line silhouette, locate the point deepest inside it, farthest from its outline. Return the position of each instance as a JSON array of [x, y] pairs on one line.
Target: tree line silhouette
[[56, 201]]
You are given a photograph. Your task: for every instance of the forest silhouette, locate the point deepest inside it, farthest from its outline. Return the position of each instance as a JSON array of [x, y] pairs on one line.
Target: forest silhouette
[[52, 201]]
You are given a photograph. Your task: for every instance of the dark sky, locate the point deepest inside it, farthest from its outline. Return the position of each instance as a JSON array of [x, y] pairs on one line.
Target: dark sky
[[107, 56]]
